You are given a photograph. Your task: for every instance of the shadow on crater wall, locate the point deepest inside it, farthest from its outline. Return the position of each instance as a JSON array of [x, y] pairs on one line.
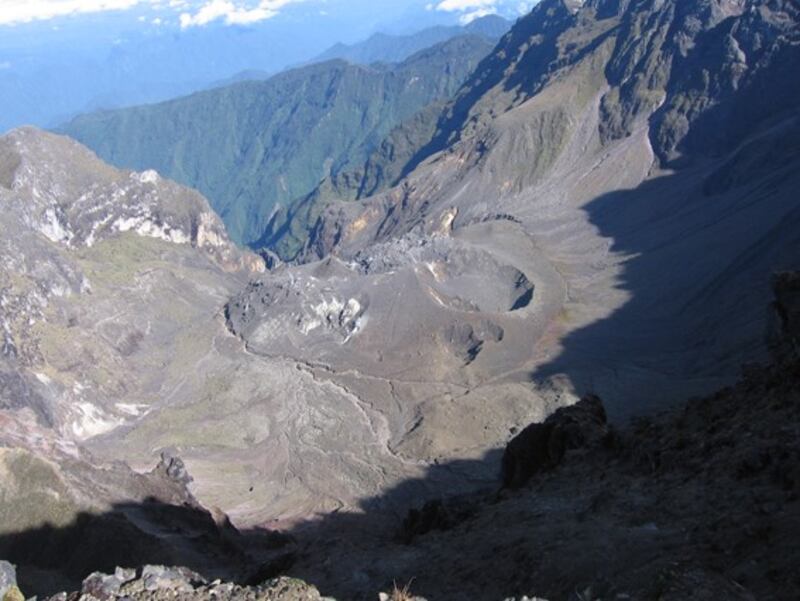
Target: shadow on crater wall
[[701, 246]]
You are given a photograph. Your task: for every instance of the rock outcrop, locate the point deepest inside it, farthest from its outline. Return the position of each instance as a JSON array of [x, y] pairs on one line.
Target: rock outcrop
[[173, 468]]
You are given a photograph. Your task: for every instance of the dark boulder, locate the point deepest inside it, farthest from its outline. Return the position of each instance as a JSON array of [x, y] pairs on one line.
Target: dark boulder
[[784, 334], [542, 446], [438, 514], [172, 467], [273, 568]]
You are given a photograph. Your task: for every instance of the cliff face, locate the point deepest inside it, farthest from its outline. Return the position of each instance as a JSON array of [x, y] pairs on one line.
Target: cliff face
[[691, 69]]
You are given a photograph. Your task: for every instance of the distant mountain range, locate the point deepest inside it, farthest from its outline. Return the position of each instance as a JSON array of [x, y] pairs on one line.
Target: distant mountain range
[[253, 146], [44, 86], [388, 48]]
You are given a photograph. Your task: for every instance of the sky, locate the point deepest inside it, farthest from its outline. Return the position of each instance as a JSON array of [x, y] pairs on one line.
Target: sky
[[186, 14], [59, 58]]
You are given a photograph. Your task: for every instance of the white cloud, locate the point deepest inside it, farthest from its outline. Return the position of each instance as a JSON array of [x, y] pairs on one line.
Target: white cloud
[[526, 6], [24, 11], [233, 13], [472, 9], [465, 5], [470, 16], [193, 12]]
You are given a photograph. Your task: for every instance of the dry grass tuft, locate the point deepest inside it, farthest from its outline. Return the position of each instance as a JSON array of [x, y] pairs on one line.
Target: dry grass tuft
[[402, 594]]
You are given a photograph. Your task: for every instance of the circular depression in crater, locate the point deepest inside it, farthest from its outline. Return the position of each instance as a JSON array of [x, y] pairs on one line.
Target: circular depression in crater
[[476, 281]]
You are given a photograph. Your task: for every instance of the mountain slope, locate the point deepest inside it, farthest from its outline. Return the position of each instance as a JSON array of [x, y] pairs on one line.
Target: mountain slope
[[290, 227], [254, 145], [695, 71]]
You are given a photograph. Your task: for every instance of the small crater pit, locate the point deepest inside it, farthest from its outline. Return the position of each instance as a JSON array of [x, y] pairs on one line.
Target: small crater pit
[[478, 283]]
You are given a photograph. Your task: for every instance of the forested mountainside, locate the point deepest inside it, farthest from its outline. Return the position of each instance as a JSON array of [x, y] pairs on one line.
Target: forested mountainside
[[255, 145]]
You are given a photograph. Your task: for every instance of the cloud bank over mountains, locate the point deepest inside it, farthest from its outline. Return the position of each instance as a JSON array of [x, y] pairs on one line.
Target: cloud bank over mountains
[[234, 13], [25, 11], [469, 10], [198, 13], [190, 12]]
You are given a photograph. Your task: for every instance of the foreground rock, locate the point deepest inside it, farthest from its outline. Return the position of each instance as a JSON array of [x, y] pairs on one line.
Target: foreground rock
[[157, 583], [8, 583]]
